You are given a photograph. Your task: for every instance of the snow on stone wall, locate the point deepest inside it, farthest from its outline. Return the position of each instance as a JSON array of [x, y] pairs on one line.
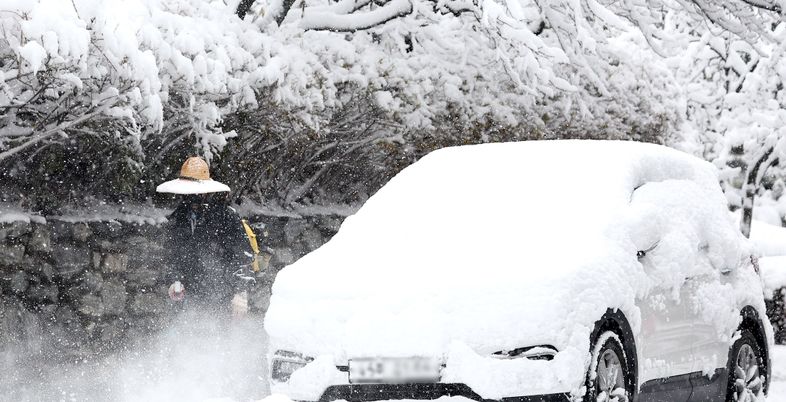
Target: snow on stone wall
[[70, 289]]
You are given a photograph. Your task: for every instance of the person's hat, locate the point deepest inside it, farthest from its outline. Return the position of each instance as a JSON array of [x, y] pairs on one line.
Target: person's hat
[[194, 179]]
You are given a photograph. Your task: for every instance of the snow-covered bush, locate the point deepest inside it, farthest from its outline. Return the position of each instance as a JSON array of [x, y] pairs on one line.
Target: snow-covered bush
[[86, 85], [321, 102], [736, 115]]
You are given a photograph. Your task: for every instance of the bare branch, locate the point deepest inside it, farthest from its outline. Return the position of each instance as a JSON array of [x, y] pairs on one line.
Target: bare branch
[[765, 5], [54, 130]]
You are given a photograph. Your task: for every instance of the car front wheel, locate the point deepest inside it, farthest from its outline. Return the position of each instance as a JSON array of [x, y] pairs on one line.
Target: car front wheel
[[609, 372], [746, 382]]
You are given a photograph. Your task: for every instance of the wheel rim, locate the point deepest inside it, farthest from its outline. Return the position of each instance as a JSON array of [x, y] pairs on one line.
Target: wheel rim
[[610, 382], [748, 382]]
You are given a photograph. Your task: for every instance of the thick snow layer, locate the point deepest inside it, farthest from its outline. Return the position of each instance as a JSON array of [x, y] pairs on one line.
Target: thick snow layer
[[492, 247], [128, 213], [778, 385], [773, 273], [770, 243], [11, 214], [249, 207], [769, 240], [198, 357], [181, 186]]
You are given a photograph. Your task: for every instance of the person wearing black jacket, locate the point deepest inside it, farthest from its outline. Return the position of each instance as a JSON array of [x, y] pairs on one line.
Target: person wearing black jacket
[[205, 241]]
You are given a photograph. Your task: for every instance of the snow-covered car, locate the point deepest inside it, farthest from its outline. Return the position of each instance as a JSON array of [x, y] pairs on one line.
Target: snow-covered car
[[547, 271], [773, 272], [769, 242]]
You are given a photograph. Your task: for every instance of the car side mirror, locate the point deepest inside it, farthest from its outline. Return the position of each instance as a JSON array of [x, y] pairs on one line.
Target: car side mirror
[[643, 253]]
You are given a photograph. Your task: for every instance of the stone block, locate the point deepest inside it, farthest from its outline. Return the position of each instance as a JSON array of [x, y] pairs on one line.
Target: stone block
[[259, 299], [95, 260], [69, 261], [114, 296], [143, 277], [14, 230], [46, 270], [108, 229], [39, 267], [11, 255], [329, 224], [144, 254], [283, 257], [20, 281], [298, 250], [43, 293], [114, 263], [312, 239], [81, 232], [107, 246], [48, 312], [149, 303], [9, 323], [292, 229], [90, 305], [20, 326], [93, 281], [110, 333], [60, 231], [66, 317], [40, 240]]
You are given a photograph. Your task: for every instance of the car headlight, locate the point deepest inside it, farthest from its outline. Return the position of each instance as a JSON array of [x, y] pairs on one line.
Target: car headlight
[[541, 352], [285, 363]]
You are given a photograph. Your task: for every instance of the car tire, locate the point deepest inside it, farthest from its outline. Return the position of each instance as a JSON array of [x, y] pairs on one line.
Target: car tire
[[609, 375], [745, 367]]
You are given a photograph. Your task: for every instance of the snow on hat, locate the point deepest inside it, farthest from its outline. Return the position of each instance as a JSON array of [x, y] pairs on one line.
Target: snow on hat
[[194, 179]]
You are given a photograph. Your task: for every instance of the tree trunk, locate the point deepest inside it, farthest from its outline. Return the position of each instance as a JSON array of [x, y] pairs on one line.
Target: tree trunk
[[752, 180]]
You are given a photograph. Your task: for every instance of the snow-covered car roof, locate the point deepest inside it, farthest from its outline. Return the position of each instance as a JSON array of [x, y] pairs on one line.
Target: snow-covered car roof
[[503, 245]]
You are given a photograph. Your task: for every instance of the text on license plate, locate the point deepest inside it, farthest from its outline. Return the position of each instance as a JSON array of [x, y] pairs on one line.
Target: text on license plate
[[394, 370]]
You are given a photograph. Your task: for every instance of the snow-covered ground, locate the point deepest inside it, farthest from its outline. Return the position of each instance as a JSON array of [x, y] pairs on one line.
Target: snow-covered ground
[[778, 387], [184, 364], [198, 358]]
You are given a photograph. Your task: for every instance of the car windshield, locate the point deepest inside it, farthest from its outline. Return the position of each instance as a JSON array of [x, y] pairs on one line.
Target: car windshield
[[499, 209]]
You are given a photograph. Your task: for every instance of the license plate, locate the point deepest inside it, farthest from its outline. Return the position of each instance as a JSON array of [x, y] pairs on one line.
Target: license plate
[[394, 370]]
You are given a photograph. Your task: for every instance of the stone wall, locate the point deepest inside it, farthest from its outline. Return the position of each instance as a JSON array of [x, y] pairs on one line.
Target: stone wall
[[74, 289]]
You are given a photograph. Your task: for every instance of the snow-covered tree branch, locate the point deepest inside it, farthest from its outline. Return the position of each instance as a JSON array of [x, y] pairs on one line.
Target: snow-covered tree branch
[[272, 91]]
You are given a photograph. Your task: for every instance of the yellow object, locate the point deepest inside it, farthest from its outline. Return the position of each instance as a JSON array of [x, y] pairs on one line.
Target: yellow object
[[195, 168], [252, 239]]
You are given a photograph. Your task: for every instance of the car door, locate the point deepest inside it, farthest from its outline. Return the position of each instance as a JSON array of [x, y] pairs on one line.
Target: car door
[[710, 343], [665, 345]]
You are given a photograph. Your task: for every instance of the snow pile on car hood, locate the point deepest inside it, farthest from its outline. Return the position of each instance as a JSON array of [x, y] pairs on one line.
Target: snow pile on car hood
[[500, 246]]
